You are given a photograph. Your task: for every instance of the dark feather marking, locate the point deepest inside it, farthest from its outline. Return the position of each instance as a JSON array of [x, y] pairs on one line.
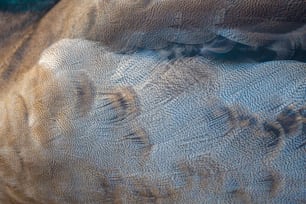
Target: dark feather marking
[[123, 101], [272, 181], [288, 120], [86, 92], [274, 133]]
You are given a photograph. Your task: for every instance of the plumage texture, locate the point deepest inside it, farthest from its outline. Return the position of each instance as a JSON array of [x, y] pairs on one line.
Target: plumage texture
[[107, 118], [215, 25], [177, 26], [89, 126]]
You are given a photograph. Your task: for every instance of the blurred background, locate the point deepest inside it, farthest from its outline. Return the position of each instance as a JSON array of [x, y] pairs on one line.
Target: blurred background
[[26, 5]]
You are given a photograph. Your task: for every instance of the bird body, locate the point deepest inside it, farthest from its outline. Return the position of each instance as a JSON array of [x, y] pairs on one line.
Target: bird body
[[92, 111], [88, 126]]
